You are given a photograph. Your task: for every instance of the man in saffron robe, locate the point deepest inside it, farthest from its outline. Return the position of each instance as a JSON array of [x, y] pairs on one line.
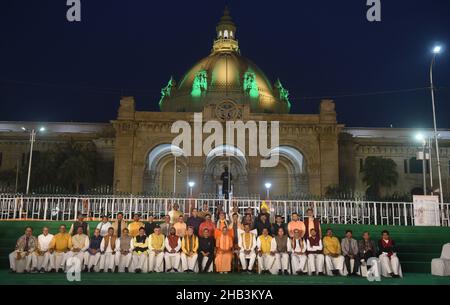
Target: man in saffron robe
[[189, 247], [156, 247], [314, 249], [224, 254], [390, 264], [247, 246], [172, 256], [266, 252]]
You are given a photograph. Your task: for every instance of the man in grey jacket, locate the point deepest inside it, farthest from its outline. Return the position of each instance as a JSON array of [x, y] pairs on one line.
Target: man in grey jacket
[[350, 251]]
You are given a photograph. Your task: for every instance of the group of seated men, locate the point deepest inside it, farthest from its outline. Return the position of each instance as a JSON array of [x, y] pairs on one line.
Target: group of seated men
[[200, 244]]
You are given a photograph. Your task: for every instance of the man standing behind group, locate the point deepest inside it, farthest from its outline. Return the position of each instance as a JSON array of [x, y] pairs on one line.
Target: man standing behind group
[[165, 226], [332, 251], [25, 246], [247, 245], [208, 224], [79, 223], [350, 250], [43, 255], [279, 224], [175, 213], [180, 227], [104, 226], [135, 225], [60, 245], [312, 223], [194, 221], [156, 251], [296, 224], [189, 247], [314, 249], [119, 224]]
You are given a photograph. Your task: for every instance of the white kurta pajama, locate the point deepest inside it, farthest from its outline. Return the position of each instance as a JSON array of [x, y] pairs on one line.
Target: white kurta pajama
[[266, 260], [189, 262], [282, 258], [107, 258], [104, 227], [81, 242], [298, 256], [172, 259], [156, 260], [389, 264], [123, 260], [248, 244], [140, 253], [315, 260], [43, 256]]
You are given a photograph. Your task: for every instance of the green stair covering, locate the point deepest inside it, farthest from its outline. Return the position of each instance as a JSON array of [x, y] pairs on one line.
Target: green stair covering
[[417, 245]]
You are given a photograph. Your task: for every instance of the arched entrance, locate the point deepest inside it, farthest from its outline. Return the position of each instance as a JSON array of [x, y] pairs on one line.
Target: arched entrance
[[215, 162]]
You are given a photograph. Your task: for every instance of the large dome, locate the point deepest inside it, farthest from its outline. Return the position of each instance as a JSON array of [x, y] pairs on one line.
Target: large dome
[[224, 75]]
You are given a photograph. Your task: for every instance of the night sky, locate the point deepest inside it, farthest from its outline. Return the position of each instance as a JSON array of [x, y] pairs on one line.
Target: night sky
[[53, 70]]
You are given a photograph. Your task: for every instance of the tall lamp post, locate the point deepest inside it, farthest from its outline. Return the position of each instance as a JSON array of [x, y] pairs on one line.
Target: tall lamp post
[[421, 138], [191, 185], [268, 185], [436, 51], [33, 133]]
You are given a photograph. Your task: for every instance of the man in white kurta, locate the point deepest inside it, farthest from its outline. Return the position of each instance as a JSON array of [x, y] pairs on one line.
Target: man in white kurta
[[298, 256], [314, 249], [25, 246], [156, 246], [283, 249], [43, 256], [108, 249], [80, 243], [125, 248], [189, 248], [266, 252], [172, 256], [104, 226], [247, 245], [390, 264]]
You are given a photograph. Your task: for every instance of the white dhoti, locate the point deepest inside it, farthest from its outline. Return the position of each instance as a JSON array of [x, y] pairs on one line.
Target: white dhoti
[[59, 259], [30, 261], [298, 262], [315, 262], [282, 261], [265, 262], [45, 261], [389, 265], [334, 263], [188, 262], [122, 261], [140, 261], [172, 260], [107, 261], [80, 255], [91, 260], [244, 257], [155, 262]]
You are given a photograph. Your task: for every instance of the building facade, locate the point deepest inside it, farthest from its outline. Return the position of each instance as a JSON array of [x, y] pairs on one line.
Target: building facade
[[315, 151]]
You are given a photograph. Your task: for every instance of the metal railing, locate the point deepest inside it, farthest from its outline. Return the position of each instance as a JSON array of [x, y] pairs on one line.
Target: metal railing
[[64, 208]]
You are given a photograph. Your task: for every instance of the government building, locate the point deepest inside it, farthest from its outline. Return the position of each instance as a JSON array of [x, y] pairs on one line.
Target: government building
[[316, 152]]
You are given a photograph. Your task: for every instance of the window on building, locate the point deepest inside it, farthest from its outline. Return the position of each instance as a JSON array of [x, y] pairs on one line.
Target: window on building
[[361, 165], [415, 166], [405, 166]]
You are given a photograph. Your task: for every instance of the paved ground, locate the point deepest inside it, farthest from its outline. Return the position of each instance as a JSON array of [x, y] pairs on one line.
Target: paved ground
[[212, 279]]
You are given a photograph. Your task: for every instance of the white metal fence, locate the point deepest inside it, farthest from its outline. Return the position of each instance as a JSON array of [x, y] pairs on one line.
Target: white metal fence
[[63, 208]]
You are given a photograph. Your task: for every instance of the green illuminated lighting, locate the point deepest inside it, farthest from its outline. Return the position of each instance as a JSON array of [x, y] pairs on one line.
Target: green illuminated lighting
[[250, 85], [200, 84], [284, 94], [167, 90]]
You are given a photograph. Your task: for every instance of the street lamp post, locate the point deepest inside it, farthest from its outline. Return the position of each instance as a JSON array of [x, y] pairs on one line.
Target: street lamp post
[[421, 138], [436, 51], [268, 185], [191, 185], [33, 133]]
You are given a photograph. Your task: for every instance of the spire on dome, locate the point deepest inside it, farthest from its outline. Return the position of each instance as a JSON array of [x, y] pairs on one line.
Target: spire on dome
[[226, 34]]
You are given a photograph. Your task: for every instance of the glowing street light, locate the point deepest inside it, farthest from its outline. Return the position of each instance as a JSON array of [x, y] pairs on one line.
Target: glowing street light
[[437, 49], [191, 185], [268, 185]]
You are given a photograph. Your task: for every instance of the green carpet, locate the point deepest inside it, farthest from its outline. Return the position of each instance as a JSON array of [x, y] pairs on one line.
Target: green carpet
[[417, 245], [211, 279]]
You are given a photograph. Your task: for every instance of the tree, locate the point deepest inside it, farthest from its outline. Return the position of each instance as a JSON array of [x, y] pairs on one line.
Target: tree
[[379, 172]]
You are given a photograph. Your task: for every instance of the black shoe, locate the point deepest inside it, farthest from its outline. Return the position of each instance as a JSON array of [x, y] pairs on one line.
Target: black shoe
[[138, 270], [244, 270], [396, 276], [52, 270], [109, 270], [60, 270], [12, 271], [286, 272], [280, 272], [335, 272], [42, 270], [116, 269], [34, 270], [321, 274], [175, 270], [101, 271], [299, 272], [91, 269], [86, 269], [126, 270], [169, 270]]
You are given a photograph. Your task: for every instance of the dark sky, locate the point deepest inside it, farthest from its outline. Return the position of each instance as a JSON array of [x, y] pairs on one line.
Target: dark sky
[[53, 70]]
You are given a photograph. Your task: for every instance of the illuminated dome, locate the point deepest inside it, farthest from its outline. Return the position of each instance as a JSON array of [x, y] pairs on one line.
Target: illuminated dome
[[224, 75]]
